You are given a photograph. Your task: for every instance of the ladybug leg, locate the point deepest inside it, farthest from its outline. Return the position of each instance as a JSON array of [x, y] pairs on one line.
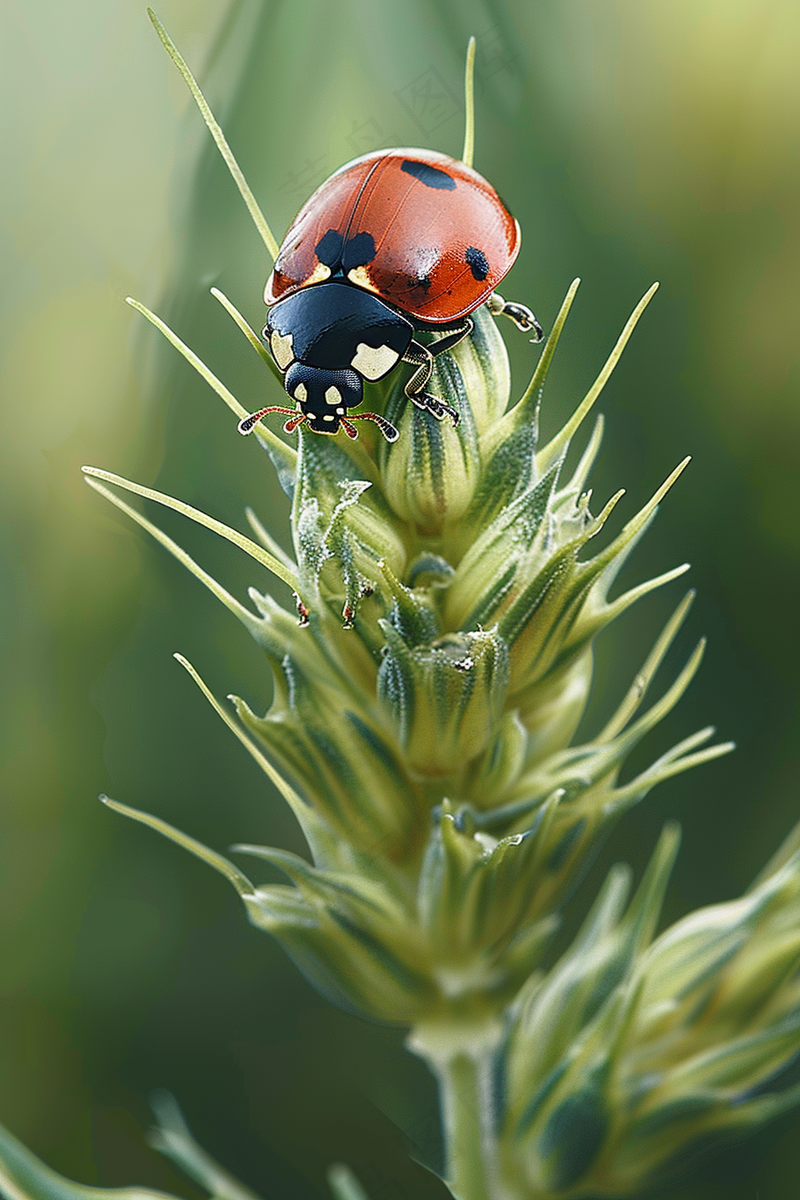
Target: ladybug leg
[[436, 407], [247, 424], [520, 314], [422, 357], [453, 338]]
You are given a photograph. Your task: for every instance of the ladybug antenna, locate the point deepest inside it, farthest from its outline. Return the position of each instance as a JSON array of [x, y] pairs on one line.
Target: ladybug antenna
[[386, 427], [469, 103], [259, 219], [248, 424], [290, 425]]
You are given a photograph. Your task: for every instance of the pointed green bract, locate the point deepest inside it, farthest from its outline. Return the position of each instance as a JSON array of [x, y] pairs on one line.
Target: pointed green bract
[[283, 456], [173, 1138], [230, 602], [564, 436], [273, 564], [249, 333], [25, 1177], [240, 881], [432, 474], [517, 430]]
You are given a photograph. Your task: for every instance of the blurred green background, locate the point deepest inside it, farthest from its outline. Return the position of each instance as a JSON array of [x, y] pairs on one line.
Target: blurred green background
[[634, 141]]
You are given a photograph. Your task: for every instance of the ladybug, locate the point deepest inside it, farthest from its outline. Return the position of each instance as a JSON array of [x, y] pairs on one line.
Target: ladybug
[[394, 243]]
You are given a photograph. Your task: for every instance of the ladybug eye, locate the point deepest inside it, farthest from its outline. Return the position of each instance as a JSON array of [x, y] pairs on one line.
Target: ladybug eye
[[372, 363], [281, 348]]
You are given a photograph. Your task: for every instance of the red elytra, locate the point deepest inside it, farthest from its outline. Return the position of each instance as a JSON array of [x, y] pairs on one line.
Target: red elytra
[[443, 239]]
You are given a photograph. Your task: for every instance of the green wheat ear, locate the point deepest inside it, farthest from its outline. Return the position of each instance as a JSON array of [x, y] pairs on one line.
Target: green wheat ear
[[426, 746], [427, 692]]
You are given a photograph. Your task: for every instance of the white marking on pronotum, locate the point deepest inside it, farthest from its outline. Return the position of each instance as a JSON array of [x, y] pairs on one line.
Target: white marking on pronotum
[[333, 396], [328, 417], [300, 392], [340, 411], [281, 348], [373, 363]]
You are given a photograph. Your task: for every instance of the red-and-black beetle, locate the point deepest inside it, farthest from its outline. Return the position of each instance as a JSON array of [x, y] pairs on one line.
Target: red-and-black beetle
[[396, 242]]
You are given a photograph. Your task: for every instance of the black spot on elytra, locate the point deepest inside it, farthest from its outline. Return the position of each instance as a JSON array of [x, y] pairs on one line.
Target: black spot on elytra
[[477, 262], [329, 248], [359, 251], [431, 176]]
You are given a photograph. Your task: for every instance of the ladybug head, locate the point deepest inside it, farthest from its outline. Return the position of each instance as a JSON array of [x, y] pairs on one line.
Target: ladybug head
[[323, 396]]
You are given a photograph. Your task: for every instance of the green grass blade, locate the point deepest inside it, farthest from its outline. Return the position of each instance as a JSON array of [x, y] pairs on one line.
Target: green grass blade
[[468, 153], [253, 208]]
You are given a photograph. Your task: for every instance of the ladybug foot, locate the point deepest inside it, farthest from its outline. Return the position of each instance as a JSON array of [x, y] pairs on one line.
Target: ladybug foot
[[436, 407]]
